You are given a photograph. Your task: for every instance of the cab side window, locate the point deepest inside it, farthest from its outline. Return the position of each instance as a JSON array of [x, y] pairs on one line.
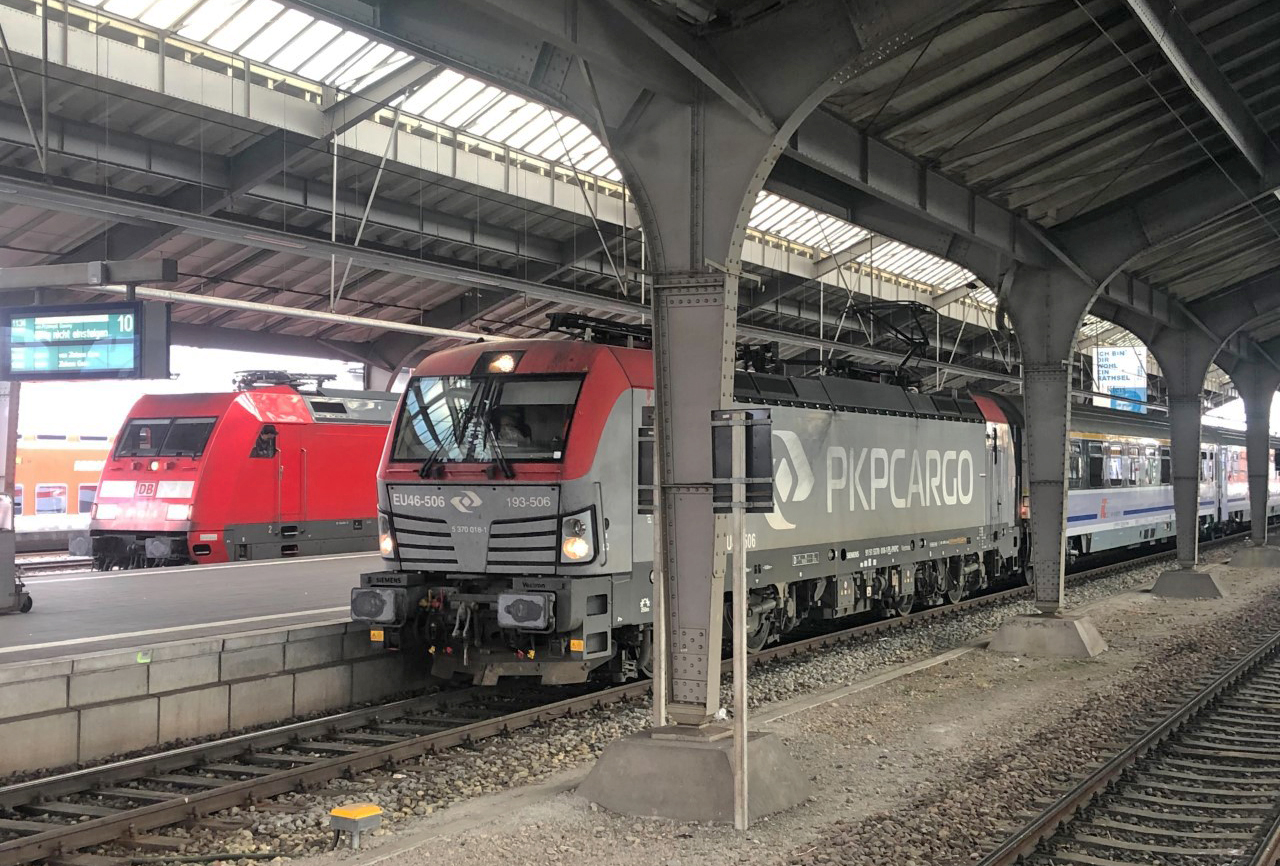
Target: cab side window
[[265, 445]]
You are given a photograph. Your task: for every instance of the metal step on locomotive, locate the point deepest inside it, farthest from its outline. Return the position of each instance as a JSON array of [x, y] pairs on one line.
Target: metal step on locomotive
[[281, 466], [509, 523]]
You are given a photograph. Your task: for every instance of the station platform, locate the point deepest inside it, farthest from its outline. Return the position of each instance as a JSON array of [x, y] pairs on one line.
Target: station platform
[[85, 613]]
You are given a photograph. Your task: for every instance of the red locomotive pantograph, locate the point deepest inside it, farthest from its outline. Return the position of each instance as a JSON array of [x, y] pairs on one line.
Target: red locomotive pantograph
[[282, 466]]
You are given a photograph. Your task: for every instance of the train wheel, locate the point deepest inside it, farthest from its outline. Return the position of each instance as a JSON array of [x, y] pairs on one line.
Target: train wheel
[[955, 589], [903, 604], [758, 637]]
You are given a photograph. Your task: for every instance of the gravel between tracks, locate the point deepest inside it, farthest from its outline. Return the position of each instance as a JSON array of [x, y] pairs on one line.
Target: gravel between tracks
[[882, 750]]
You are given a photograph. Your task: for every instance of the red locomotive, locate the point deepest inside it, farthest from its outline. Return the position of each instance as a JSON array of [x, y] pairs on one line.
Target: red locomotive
[[282, 466]]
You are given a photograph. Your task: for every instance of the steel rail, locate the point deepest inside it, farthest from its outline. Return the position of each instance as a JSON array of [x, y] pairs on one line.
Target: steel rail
[[1026, 840], [62, 839]]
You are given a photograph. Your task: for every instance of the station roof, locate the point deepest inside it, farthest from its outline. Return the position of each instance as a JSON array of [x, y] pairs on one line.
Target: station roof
[[1074, 113]]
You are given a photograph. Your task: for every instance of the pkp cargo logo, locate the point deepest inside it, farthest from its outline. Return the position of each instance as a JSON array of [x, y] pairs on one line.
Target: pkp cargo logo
[[465, 501], [792, 477]]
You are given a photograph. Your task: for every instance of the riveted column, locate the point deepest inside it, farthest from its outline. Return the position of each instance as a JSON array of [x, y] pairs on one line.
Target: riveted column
[[1046, 308], [695, 170], [1184, 434], [1184, 356], [1257, 386]]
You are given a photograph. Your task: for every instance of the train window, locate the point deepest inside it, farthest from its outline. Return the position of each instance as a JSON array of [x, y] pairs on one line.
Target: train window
[[1153, 465], [1166, 467], [51, 499], [187, 437], [17, 497], [1136, 466], [265, 444], [142, 437], [87, 493], [1076, 465], [1206, 465], [1095, 464], [456, 418], [1276, 460], [531, 417]]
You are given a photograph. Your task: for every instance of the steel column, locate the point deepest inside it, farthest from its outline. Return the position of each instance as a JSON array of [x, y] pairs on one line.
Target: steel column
[[1184, 356], [1184, 423], [1046, 308], [695, 170], [1257, 386]]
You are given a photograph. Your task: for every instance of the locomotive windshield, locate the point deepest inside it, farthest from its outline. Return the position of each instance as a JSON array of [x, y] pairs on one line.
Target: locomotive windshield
[[482, 419], [165, 437]]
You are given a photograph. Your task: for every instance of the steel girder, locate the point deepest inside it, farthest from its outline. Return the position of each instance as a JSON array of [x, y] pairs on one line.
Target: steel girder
[[1206, 80]]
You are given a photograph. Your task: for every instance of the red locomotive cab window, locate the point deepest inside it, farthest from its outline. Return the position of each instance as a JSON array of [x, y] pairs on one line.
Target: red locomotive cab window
[[51, 499], [165, 437], [87, 494], [265, 445]]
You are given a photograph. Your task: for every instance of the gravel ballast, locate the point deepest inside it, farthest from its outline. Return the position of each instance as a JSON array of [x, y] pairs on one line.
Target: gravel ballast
[[867, 755]]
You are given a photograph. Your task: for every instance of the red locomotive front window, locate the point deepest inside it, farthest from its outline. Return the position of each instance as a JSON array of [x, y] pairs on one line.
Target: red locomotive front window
[[165, 437], [483, 419]]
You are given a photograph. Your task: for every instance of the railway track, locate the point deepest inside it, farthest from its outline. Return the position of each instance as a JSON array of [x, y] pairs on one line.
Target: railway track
[[1199, 786], [30, 564], [55, 816]]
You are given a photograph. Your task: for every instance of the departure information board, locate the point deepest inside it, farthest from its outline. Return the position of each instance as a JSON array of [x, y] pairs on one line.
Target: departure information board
[[88, 341]]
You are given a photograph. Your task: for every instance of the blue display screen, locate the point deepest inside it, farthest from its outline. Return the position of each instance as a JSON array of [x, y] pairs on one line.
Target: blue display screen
[[89, 341]]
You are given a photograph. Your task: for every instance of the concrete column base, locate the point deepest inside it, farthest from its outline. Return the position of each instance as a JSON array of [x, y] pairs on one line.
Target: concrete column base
[[1187, 583], [660, 773], [1260, 556], [1049, 636]]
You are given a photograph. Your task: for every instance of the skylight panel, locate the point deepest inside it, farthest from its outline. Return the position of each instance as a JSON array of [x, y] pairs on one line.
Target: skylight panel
[[305, 45], [465, 115], [163, 14], [127, 8], [380, 69], [536, 127], [449, 102], [277, 33], [210, 15], [244, 24], [503, 117], [338, 52], [433, 90]]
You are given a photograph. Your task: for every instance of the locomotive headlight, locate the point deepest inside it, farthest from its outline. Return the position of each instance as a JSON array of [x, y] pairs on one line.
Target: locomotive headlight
[[178, 512], [503, 363], [106, 511], [386, 541], [155, 465], [577, 538], [576, 549]]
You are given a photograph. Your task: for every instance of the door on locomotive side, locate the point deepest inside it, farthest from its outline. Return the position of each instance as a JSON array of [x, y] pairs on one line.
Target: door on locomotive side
[[290, 475]]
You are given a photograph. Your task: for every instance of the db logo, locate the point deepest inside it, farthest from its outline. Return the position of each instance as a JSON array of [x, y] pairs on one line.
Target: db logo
[[146, 488], [465, 501]]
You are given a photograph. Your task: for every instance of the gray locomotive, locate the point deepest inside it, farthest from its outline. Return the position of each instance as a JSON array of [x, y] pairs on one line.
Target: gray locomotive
[[514, 546]]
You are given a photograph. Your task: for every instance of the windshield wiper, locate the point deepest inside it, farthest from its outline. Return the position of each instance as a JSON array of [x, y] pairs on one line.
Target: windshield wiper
[[463, 421], [501, 459]]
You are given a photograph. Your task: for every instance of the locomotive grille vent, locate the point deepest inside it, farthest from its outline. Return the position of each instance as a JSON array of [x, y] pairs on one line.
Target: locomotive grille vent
[[524, 546], [424, 541]]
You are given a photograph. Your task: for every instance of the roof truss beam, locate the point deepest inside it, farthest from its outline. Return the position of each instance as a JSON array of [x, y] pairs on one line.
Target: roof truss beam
[[1206, 80]]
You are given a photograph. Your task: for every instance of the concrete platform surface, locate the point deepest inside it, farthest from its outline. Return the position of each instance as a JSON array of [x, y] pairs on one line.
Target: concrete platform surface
[[692, 780], [1040, 636], [1263, 556], [1186, 583], [82, 613]]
